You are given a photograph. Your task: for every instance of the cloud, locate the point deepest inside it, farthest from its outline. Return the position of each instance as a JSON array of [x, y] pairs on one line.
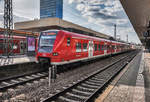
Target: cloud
[[15, 17], [99, 15], [23, 10], [103, 14]]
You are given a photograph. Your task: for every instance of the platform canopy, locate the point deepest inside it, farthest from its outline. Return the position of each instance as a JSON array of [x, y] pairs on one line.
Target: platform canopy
[[20, 32], [138, 12], [56, 23]]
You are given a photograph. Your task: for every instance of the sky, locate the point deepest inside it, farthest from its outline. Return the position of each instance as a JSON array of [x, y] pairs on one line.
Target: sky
[[98, 15]]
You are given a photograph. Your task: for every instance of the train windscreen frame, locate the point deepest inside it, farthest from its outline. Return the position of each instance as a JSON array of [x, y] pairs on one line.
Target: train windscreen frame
[[46, 41]]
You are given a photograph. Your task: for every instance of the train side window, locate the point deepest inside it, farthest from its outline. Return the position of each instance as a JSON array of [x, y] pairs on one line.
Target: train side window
[[102, 47], [95, 47], [84, 46], [113, 47], [78, 47], [1, 44], [99, 47], [68, 41], [108, 47]]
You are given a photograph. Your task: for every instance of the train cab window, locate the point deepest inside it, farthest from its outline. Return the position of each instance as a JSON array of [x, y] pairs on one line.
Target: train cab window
[[95, 47], [84, 46], [78, 47], [68, 41]]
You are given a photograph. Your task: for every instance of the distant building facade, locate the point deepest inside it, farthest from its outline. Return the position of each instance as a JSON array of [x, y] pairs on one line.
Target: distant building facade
[[51, 8]]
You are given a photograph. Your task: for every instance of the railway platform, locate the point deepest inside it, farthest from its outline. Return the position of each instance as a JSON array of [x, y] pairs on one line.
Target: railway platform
[[16, 60], [132, 84]]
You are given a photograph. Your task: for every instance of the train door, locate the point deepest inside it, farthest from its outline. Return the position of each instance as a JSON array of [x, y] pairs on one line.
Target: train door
[[115, 48], [90, 49], [105, 48], [22, 47]]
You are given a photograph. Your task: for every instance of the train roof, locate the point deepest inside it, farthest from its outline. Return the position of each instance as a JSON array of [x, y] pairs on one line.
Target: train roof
[[85, 36], [19, 37], [51, 30], [90, 37]]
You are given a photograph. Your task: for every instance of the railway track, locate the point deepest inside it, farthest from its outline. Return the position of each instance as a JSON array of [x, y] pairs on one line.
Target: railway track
[[86, 89], [19, 80]]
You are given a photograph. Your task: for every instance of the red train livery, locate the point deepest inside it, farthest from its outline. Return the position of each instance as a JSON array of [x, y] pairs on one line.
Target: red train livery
[[19, 46], [60, 47], [20, 41]]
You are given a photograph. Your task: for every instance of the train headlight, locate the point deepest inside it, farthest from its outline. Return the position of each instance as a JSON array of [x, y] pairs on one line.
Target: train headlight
[[55, 54]]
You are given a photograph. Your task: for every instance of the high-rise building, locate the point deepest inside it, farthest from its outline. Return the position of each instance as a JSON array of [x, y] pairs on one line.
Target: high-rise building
[[51, 8]]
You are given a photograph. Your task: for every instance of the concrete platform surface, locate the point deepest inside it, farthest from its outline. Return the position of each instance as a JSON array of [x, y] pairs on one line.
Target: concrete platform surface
[[147, 76], [132, 84], [16, 60]]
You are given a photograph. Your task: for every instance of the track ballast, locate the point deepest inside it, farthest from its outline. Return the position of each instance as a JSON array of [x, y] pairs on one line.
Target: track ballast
[[85, 90]]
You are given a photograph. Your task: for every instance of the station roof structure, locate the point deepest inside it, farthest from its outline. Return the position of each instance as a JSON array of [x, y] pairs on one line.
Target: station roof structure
[[21, 32], [56, 23], [138, 12]]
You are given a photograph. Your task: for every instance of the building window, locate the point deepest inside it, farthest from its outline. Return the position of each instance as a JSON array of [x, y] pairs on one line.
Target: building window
[[95, 47], [84, 46], [78, 47]]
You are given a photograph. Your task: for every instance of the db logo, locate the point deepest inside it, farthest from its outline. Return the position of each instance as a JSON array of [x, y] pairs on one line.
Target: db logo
[[44, 54]]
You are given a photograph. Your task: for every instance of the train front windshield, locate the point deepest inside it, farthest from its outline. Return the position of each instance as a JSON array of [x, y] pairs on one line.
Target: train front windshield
[[46, 42]]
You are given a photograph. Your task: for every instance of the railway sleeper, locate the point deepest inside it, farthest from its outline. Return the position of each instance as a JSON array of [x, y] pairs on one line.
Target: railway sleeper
[[64, 99], [15, 81], [94, 84], [82, 92], [76, 95], [73, 97], [85, 88], [89, 86]]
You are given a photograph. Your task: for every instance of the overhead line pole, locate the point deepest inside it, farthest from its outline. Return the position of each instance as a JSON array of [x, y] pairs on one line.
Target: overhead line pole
[[127, 37], [8, 26], [115, 31]]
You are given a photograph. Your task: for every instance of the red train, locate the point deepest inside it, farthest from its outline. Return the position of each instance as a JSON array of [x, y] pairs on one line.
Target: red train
[[60, 47], [19, 46], [20, 42]]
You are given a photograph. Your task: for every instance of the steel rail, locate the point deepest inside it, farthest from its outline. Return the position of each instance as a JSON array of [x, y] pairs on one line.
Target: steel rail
[[88, 99], [17, 81]]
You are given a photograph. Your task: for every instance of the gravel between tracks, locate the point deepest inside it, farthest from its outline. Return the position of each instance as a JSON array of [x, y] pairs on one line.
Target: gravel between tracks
[[38, 90]]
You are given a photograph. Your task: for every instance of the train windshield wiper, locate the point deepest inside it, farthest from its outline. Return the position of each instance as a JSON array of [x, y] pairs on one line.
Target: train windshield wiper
[[45, 46]]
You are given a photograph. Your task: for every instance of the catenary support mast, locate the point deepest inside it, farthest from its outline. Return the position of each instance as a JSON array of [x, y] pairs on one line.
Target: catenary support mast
[[8, 25]]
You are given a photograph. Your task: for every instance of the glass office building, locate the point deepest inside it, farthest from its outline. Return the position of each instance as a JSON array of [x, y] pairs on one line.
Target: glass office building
[[51, 8]]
